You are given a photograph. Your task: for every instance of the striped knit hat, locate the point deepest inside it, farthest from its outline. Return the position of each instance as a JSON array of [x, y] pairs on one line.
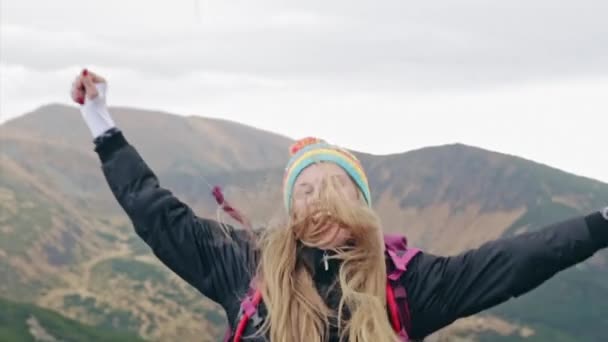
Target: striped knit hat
[[310, 150]]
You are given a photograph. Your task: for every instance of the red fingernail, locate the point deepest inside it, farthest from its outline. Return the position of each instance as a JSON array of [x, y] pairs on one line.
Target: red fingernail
[[80, 100], [85, 72]]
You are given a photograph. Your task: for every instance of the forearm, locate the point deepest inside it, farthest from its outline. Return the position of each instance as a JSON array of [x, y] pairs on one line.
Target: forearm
[[598, 228], [538, 256], [447, 288]]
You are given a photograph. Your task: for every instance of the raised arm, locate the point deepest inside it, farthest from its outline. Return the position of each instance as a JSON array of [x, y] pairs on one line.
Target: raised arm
[[196, 249], [444, 289]]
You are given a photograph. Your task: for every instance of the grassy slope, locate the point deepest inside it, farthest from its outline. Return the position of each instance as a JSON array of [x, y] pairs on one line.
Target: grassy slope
[[14, 326]]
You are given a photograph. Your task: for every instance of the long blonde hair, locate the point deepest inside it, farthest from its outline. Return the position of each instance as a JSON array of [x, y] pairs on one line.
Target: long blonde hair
[[296, 311]]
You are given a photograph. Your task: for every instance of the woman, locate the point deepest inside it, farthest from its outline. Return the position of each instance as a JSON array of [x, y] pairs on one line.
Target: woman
[[322, 275]]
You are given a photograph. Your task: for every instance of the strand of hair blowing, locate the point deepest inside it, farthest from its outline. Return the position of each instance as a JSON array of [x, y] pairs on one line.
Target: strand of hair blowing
[[296, 311]]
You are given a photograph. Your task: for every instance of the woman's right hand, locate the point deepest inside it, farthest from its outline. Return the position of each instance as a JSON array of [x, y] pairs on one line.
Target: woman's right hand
[[84, 86], [89, 90]]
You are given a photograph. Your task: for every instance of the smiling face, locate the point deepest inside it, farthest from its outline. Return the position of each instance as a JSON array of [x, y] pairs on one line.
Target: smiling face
[[308, 189]]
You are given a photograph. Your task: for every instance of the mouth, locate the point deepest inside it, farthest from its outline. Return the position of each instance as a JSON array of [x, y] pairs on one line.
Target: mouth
[[321, 217], [324, 221]]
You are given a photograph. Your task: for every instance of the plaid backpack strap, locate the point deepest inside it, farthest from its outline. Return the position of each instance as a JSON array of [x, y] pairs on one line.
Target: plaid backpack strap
[[396, 295], [248, 313]]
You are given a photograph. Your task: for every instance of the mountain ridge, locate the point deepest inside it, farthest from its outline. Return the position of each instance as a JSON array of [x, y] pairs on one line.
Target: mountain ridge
[[67, 242], [75, 116]]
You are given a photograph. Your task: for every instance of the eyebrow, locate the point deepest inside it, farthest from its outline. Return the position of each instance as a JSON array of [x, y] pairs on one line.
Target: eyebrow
[[331, 176]]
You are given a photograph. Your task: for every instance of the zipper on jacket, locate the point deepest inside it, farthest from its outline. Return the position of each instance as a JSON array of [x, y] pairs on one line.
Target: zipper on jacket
[[325, 262]]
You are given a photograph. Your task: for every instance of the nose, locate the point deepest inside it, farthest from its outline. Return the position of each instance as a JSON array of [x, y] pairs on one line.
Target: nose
[[314, 197]]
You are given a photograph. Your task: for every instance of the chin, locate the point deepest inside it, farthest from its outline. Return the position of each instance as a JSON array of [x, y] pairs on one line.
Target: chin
[[342, 239]]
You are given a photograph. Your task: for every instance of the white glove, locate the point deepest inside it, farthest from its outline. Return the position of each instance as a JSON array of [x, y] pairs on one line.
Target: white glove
[[90, 91]]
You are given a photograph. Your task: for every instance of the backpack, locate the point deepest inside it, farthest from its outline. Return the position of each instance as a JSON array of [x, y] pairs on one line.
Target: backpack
[[396, 296]]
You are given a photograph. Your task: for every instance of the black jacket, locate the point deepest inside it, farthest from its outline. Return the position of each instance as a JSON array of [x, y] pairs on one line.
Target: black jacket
[[440, 289]]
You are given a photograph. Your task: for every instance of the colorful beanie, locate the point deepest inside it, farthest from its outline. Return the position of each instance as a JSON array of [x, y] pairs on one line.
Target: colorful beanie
[[310, 150]]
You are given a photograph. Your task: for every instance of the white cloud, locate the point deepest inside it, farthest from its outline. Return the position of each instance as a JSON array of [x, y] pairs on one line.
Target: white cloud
[[439, 44], [522, 77]]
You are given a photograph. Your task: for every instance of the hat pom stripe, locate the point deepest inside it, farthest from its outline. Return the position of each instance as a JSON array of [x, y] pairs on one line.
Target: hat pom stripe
[[298, 145]]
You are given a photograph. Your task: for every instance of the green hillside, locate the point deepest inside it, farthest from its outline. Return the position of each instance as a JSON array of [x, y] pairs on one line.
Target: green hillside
[[21, 322]]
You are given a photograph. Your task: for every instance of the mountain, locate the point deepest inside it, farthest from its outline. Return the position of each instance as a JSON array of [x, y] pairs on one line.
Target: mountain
[[21, 322], [66, 245]]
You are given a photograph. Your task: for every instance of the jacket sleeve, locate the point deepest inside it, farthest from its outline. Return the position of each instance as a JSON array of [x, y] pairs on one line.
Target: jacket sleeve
[[209, 258], [444, 289]]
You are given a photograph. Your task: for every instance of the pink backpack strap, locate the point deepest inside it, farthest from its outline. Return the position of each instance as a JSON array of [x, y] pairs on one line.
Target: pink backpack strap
[[248, 314], [400, 256]]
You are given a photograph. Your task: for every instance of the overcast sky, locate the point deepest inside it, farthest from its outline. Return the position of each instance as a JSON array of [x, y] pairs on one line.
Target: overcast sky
[[528, 78]]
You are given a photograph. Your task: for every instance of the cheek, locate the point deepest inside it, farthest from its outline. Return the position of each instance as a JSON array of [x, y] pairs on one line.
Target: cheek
[[343, 234], [352, 193], [299, 208]]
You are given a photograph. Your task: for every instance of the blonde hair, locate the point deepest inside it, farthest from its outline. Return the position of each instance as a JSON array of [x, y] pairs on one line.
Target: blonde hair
[[296, 311]]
